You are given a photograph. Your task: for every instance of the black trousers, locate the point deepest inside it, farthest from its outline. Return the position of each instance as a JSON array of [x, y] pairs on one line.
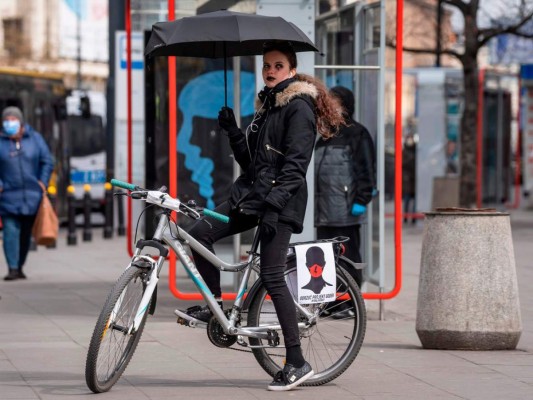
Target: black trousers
[[273, 259], [352, 246]]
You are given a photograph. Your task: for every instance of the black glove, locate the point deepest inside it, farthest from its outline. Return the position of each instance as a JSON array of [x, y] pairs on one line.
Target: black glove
[[226, 120], [269, 223]]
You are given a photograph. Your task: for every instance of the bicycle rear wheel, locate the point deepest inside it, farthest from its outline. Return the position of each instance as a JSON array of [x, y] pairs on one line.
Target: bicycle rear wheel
[[112, 345], [330, 345]]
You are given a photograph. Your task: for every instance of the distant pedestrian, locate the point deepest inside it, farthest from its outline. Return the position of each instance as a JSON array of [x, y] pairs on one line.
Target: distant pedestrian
[[344, 180], [25, 168], [409, 178]]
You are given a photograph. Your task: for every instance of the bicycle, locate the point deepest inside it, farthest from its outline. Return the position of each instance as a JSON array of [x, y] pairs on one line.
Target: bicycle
[[329, 344]]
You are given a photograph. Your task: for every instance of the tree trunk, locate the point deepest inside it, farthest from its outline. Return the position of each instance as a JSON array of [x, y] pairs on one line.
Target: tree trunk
[[469, 118], [469, 135]]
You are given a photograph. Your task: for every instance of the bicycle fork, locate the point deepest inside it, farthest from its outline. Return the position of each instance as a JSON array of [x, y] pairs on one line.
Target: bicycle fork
[[152, 267]]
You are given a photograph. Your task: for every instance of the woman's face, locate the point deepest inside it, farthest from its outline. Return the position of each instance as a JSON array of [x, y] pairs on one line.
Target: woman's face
[[276, 68]]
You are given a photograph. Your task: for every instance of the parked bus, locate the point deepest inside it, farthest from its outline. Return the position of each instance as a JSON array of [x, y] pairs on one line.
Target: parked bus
[[86, 121]]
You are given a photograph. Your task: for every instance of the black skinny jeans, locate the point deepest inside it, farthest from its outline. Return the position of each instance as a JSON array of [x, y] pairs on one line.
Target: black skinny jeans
[[273, 260]]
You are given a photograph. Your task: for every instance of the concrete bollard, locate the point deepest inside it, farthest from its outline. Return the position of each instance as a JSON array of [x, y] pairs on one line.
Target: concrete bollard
[[87, 209], [468, 292], [121, 229], [108, 223], [72, 239]]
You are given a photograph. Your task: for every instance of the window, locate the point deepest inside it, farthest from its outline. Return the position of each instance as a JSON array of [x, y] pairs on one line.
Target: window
[[13, 41], [372, 24], [87, 135]]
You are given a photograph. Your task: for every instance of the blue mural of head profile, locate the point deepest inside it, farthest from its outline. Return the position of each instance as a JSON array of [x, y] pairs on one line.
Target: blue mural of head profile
[[203, 97]]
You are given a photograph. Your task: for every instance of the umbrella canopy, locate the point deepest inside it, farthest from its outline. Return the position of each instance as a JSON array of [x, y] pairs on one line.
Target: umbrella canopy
[[222, 34]]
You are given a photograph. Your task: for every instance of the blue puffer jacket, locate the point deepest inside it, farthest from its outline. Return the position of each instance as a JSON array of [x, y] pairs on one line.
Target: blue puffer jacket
[[22, 166]]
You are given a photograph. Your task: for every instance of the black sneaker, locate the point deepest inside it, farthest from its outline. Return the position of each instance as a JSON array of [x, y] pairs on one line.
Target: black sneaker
[[12, 275], [201, 313], [290, 377], [22, 275]]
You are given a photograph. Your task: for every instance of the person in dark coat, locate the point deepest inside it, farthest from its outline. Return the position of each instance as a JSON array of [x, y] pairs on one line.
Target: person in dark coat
[[274, 153], [25, 168], [409, 177], [344, 181]]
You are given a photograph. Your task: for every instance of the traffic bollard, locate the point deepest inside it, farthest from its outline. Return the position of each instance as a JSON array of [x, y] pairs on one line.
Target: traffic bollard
[[71, 235], [87, 208], [52, 195], [121, 230], [108, 224]]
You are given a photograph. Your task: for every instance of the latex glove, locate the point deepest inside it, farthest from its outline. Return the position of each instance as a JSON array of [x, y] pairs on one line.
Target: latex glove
[[269, 223], [226, 119], [358, 209]]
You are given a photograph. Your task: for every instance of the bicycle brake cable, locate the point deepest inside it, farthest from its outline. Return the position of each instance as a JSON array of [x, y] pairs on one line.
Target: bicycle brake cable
[[138, 219]]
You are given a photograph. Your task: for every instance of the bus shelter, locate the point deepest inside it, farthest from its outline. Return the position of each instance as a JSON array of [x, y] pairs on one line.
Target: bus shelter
[[358, 65]]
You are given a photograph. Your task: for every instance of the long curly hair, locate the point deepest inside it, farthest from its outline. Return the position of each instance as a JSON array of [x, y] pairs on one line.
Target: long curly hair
[[329, 111]]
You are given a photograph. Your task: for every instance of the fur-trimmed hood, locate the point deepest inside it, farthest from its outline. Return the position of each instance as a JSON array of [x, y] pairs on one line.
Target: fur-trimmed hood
[[294, 89]]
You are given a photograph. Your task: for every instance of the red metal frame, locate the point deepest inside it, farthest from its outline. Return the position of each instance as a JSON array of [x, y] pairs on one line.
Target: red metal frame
[[397, 164], [173, 171]]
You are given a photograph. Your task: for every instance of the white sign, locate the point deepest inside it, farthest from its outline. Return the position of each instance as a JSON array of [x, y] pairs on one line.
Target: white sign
[[92, 17], [316, 273], [121, 108]]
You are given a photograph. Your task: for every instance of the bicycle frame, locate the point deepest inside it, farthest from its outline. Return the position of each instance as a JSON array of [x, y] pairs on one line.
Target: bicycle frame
[[175, 237]]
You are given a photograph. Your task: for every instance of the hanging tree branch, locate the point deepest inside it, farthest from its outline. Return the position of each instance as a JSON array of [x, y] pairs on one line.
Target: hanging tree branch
[[486, 34], [429, 51]]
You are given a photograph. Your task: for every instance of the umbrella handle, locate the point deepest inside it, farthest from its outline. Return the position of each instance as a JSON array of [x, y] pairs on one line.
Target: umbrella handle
[[225, 78]]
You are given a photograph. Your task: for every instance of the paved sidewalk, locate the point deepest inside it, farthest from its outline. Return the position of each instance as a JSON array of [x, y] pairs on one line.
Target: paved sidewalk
[[46, 323]]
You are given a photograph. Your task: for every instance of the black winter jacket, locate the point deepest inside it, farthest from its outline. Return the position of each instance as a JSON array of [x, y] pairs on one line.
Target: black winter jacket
[[275, 152], [344, 175]]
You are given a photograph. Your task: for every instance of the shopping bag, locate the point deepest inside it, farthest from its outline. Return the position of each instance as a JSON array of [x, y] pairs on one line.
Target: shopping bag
[[46, 225]]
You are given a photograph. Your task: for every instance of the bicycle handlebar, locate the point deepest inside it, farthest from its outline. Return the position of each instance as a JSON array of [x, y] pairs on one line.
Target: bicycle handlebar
[[123, 185], [206, 212], [215, 215]]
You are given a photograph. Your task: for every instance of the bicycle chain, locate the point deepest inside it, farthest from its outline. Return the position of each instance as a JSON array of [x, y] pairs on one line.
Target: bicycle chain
[[250, 351]]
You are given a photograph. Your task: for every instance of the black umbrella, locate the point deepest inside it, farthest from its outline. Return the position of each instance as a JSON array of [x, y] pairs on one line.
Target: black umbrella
[[222, 34]]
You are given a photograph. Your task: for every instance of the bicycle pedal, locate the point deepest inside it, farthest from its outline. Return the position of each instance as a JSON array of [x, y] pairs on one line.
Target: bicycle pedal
[[187, 320], [273, 338]]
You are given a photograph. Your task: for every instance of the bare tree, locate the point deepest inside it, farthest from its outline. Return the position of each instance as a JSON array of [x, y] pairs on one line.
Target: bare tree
[[475, 37]]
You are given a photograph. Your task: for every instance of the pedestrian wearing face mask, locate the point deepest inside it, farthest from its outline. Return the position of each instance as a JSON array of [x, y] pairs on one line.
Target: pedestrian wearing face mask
[[25, 168]]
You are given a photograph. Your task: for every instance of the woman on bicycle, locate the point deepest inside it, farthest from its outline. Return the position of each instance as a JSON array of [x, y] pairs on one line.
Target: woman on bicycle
[[274, 152]]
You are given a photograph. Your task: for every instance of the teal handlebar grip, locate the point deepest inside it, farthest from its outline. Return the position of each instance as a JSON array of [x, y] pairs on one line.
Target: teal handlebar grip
[[123, 185], [215, 215]]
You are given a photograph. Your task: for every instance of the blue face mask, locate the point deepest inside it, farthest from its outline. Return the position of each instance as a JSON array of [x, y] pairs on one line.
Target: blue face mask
[[11, 126]]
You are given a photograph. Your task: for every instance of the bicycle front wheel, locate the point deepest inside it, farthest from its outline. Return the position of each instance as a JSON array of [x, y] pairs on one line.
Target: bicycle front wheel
[[113, 343], [331, 344]]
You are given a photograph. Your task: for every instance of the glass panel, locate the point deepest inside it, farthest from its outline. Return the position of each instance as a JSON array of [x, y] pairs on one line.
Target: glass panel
[[86, 135], [372, 28]]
